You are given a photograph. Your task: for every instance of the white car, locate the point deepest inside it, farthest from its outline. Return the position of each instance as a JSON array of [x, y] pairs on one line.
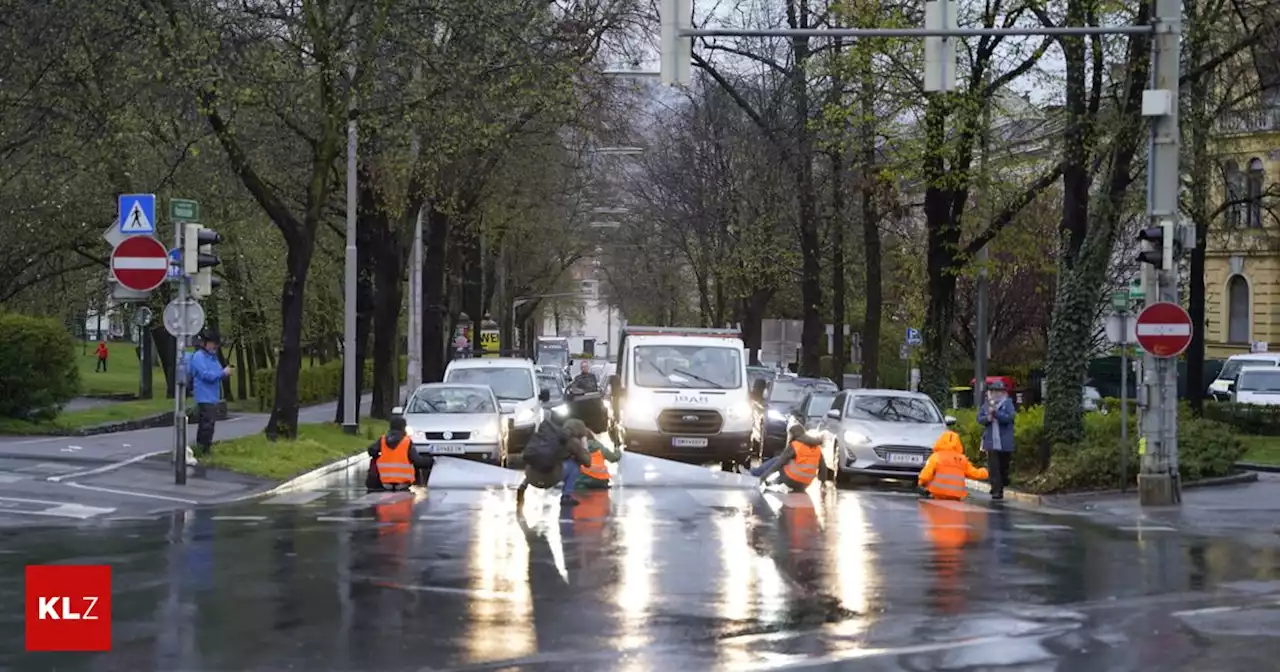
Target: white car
[[1222, 386], [514, 382], [885, 433], [455, 419], [1257, 385]]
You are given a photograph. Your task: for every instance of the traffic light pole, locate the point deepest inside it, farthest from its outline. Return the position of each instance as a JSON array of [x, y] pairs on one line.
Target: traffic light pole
[[180, 374], [1158, 482]]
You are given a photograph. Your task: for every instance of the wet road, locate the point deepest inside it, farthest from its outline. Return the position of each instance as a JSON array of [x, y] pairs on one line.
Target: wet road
[[679, 568]]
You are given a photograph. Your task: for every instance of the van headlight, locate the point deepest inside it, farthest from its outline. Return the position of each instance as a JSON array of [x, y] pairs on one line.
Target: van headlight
[[739, 411], [525, 416], [638, 407], [856, 438], [561, 410]]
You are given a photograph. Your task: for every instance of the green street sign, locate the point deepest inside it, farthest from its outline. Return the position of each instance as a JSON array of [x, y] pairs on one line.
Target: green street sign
[[184, 210], [1120, 301], [1135, 291]]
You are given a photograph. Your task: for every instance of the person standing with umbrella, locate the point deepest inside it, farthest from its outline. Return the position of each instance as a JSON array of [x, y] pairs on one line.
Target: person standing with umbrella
[[996, 415]]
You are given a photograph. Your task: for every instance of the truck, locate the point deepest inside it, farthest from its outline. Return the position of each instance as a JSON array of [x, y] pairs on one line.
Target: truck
[[683, 394], [552, 351]]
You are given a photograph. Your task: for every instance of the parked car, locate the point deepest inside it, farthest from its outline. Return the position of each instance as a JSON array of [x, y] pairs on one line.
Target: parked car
[[884, 433], [1222, 386], [1257, 385], [457, 420], [781, 395]]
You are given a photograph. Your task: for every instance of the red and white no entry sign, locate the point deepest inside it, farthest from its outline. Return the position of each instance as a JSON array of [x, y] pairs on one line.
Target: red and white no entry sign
[[1163, 329], [140, 263]]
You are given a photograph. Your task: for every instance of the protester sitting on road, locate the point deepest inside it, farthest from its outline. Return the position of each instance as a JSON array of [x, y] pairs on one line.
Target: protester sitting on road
[[395, 464], [595, 475], [797, 465], [943, 475], [556, 453]]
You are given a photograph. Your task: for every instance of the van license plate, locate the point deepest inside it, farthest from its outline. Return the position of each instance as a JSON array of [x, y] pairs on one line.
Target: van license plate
[[905, 458], [446, 449], [689, 443]]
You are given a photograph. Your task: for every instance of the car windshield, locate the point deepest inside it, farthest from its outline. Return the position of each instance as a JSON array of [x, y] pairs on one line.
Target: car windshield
[[790, 392], [553, 354], [818, 404], [895, 409], [1232, 368], [688, 366], [451, 400], [1259, 381], [512, 384], [552, 385]]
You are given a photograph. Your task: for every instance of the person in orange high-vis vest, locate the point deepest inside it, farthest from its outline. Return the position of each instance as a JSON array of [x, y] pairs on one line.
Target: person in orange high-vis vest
[[395, 464], [945, 472], [798, 463], [595, 475]]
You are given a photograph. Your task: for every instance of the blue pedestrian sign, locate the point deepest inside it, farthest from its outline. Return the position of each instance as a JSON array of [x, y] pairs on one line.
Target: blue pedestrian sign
[[913, 336], [137, 214], [175, 263]]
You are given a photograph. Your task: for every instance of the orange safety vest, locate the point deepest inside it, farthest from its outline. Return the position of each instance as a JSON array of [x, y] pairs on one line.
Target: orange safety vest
[[804, 468], [597, 469], [948, 477], [393, 462]]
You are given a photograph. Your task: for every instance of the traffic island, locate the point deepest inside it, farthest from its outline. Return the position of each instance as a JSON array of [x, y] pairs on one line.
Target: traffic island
[[123, 417], [317, 445]]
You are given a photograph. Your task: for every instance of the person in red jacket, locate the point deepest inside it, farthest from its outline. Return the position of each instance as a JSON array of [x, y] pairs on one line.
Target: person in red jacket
[[102, 357]]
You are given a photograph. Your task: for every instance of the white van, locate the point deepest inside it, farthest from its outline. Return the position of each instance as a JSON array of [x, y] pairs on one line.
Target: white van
[[1220, 389], [514, 382], [683, 394], [1258, 385]]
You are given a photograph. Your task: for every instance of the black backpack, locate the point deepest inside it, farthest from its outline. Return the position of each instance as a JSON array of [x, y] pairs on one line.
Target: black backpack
[[544, 449]]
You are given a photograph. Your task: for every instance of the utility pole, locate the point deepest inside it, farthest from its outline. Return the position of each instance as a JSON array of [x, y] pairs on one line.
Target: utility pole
[[350, 392], [413, 360], [982, 338], [1158, 483]]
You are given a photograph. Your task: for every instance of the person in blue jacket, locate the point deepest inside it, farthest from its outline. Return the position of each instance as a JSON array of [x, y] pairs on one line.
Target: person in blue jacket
[[207, 373], [997, 417]]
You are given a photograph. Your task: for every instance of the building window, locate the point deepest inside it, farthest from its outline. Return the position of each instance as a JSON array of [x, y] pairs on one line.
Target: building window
[[1256, 179], [1235, 193], [1237, 310]]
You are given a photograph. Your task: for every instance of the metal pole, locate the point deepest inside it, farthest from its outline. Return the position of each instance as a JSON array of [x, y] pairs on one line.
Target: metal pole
[[914, 32], [350, 393], [414, 374], [1124, 400], [1158, 483], [980, 353], [180, 376]]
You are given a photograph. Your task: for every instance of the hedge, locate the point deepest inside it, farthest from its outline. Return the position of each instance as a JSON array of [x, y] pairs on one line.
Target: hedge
[[1206, 449], [38, 367], [1245, 418], [316, 384]]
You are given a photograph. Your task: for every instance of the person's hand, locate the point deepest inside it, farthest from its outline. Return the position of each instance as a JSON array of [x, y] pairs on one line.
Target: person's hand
[[229, 370]]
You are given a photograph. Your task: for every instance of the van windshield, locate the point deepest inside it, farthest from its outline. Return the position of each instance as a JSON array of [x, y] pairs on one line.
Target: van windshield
[[509, 384], [1259, 381], [688, 366], [1233, 366]]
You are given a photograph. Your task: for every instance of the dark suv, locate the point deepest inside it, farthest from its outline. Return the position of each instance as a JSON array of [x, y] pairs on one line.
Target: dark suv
[[781, 396]]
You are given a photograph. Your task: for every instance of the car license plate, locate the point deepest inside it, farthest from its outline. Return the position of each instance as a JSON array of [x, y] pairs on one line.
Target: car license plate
[[446, 449], [689, 443], [905, 458]]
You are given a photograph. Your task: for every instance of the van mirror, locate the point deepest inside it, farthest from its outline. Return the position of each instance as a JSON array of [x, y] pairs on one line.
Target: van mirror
[[615, 383], [757, 389], [398, 410]]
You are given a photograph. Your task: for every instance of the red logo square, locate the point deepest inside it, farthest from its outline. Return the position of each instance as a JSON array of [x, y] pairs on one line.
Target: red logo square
[[68, 607]]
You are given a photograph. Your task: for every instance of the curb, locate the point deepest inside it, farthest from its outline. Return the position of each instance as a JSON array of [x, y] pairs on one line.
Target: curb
[[1254, 466], [1074, 497], [149, 422], [1009, 493], [303, 480]]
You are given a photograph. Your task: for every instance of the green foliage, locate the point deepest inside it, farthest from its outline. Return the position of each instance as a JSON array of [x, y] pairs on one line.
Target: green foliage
[[1245, 418], [316, 385], [38, 369], [1206, 449]]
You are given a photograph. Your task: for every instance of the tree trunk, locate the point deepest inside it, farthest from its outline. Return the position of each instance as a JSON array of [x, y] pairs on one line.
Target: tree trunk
[[943, 243], [388, 288], [284, 415], [872, 263], [434, 300], [164, 350], [838, 348], [1201, 164], [752, 319]]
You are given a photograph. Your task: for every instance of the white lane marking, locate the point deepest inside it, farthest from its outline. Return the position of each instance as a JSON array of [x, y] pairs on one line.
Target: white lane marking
[[242, 518], [341, 519], [56, 509], [296, 498], [130, 493], [72, 449], [1040, 528], [1206, 610], [104, 469], [1149, 528]]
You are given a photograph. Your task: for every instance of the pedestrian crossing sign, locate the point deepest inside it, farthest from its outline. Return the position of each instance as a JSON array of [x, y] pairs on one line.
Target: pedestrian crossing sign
[[137, 214]]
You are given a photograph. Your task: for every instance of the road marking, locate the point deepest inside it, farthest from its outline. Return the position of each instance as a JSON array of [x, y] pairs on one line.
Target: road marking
[[297, 498], [1151, 528], [72, 449], [56, 509], [342, 519], [130, 493], [47, 467], [241, 518], [102, 470], [1042, 528]]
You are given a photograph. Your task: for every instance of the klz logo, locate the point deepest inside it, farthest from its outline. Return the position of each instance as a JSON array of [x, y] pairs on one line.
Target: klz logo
[[68, 608]]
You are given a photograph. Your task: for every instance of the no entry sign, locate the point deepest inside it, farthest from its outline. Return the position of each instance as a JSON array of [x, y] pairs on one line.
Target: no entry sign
[[140, 263], [1163, 329]]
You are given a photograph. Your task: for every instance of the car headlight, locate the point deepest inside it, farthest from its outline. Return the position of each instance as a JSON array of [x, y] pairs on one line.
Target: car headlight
[[525, 416], [739, 411], [487, 433], [856, 438], [776, 416], [561, 410]]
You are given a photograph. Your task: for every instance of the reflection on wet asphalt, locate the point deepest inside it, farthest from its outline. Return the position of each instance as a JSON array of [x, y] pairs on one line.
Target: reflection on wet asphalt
[[679, 569]]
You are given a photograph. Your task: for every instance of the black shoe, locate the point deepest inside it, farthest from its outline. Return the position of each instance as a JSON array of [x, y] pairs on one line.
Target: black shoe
[[997, 496], [568, 500], [520, 494]]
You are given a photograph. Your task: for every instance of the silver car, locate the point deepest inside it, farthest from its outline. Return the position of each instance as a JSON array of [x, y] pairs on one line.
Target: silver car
[[458, 420], [885, 433]]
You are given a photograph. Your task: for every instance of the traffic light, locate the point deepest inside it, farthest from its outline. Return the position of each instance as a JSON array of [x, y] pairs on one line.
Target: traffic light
[[198, 258], [1163, 245], [676, 66]]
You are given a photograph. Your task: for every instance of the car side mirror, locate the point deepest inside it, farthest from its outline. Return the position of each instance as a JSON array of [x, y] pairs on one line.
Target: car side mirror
[[615, 382], [398, 410], [834, 414], [511, 426], [950, 420], [544, 395]]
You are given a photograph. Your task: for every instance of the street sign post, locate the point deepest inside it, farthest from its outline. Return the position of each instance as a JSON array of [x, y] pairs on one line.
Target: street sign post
[[184, 210], [182, 324], [914, 337], [140, 263], [1164, 329], [137, 214]]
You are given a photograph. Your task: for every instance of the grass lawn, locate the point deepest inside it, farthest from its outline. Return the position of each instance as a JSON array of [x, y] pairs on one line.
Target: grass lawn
[[316, 445], [72, 420], [121, 376], [1262, 449]]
